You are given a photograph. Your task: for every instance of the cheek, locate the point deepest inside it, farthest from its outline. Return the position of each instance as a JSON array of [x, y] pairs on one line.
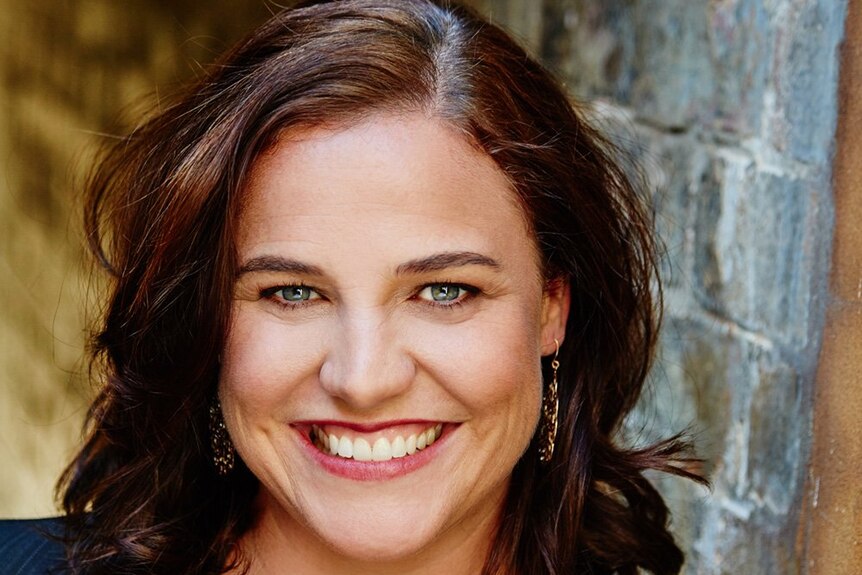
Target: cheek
[[261, 364], [491, 366]]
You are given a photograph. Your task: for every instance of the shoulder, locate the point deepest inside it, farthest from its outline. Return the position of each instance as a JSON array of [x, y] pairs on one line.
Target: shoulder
[[31, 546]]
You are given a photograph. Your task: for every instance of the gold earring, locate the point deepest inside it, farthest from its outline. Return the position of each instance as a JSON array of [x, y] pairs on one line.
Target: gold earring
[[550, 408], [223, 451]]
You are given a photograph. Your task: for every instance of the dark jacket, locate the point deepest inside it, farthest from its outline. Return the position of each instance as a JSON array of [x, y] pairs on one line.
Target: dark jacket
[[31, 547]]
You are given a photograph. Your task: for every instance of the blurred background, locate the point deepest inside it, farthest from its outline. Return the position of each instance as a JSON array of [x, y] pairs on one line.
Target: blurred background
[[731, 106]]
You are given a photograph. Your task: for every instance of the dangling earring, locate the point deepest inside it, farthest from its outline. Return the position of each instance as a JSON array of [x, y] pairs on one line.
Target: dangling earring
[[222, 447], [550, 407]]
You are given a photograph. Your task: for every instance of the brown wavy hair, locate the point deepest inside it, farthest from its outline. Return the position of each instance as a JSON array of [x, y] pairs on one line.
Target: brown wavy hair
[[142, 495]]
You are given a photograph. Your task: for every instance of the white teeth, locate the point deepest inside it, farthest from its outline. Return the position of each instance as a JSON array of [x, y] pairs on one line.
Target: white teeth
[[399, 447], [383, 450], [345, 447], [361, 450]]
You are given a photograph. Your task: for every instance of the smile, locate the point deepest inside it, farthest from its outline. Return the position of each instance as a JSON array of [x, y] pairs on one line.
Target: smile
[[378, 447]]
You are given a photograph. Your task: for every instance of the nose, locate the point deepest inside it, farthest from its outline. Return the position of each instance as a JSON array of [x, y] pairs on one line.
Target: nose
[[367, 363]]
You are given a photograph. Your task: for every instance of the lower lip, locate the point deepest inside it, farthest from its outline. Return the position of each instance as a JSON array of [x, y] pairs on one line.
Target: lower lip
[[376, 470]]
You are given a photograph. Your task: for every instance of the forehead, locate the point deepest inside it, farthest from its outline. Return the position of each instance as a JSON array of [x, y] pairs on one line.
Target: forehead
[[389, 179]]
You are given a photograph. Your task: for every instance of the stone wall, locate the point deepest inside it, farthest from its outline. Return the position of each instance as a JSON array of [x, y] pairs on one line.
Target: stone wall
[[730, 106]]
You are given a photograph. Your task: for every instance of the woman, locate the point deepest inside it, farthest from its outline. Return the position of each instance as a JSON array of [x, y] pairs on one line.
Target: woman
[[381, 299]]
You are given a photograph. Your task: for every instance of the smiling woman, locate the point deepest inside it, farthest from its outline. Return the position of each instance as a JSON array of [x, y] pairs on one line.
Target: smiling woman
[[381, 300], [415, 285]]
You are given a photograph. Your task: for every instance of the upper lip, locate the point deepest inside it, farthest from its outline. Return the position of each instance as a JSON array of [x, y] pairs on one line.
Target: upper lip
[[364, 427]]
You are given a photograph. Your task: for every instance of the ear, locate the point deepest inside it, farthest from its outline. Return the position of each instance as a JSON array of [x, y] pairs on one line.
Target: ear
[[555, 313]]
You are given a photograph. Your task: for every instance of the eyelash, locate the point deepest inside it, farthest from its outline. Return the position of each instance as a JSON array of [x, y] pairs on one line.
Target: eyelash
[[470, 292], [270, 294]]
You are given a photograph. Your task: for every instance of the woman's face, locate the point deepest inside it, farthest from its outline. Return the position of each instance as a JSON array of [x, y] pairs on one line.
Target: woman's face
[[381, 375]]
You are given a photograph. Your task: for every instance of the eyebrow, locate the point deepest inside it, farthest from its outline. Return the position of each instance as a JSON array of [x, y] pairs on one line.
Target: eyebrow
[[278, 264], [446, 260], [432, 263]]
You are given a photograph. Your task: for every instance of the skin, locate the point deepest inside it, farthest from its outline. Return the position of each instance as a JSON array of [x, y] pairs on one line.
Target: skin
[[358, 206]]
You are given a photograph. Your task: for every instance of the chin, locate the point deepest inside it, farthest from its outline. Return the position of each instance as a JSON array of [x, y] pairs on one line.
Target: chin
[[385, 533], [382, 546]]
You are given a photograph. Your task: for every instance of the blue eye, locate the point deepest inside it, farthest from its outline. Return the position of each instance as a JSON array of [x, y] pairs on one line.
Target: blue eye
[[296, 294], [444, 293]]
